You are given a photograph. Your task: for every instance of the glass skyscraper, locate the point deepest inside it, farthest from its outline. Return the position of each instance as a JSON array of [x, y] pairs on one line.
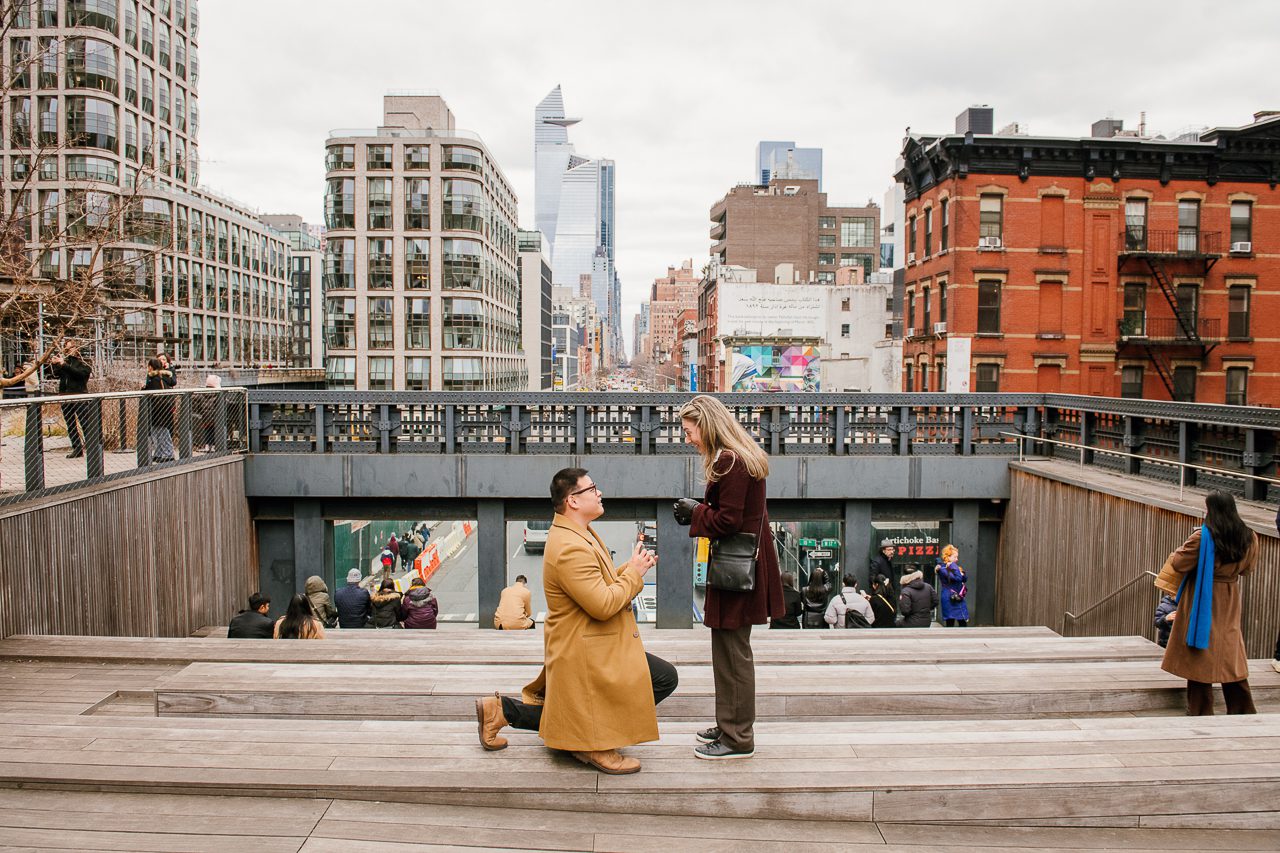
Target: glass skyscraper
[[574, 209]]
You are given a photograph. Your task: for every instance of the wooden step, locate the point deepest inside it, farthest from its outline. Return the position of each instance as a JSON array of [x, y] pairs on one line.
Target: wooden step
[[448, 691], [1103, 771], [69, 820], [679, 647]]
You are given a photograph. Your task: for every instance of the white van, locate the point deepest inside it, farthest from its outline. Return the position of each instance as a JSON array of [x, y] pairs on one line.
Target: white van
[[535, 536]]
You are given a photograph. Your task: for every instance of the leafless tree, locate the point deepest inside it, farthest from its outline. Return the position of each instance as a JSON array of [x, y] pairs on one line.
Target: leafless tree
[[76, 257]]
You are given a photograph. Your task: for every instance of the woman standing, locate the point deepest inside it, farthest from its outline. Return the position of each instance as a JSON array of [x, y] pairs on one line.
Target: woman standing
[[1206, 646], [160, 378], [298, 623], [955, 609], [735, 468]]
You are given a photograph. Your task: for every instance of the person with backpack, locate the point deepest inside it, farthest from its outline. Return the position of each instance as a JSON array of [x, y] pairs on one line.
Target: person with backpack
[[881, 600], [814, 600], [849, 609], [955, 609]]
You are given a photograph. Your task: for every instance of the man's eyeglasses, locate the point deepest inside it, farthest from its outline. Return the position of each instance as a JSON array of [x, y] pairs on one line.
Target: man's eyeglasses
[[592, 488]]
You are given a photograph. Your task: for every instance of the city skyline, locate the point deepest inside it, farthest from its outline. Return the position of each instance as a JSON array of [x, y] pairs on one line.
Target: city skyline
[[685, 131]]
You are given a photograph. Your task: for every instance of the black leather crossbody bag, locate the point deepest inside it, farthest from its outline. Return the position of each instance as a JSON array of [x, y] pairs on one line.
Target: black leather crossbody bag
[[731, 565]]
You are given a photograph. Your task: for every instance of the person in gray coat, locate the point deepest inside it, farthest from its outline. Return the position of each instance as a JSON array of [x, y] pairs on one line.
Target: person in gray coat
[[917, 601]]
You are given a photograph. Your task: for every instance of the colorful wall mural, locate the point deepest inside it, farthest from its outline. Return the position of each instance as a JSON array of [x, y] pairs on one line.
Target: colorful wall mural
[[776, 367]]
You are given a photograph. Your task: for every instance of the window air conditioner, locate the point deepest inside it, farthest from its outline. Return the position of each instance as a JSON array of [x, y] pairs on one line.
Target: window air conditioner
[[940, 328], [989, 243], [1244, 248], [911, 257], [909, 333]]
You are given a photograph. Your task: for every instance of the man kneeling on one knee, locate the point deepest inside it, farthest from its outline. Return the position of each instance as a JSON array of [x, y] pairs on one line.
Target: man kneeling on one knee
[[598, 688]]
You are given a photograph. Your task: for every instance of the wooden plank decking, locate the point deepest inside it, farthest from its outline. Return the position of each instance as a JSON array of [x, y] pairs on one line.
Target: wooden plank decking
[[76, 776]]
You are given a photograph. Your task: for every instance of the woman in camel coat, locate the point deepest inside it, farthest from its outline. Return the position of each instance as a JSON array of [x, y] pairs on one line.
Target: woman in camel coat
[[1224, 661]]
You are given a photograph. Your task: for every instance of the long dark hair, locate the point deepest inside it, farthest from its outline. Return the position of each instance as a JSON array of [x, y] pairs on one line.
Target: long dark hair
[[297, 618], [817, 588], [1232, 538]]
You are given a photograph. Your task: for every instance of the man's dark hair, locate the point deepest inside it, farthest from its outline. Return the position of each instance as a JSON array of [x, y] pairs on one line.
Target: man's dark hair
[[258, 599], [521, 579], [850, 581], [564, 482]]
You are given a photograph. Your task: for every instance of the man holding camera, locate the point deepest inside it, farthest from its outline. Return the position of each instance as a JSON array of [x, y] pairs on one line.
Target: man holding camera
[[598, 688]]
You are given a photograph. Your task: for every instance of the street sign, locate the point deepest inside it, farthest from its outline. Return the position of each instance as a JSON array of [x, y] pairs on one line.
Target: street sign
[[820, 554]]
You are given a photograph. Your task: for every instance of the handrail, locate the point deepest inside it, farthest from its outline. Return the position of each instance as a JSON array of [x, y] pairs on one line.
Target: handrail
[[1073, 616], [1181, 466]]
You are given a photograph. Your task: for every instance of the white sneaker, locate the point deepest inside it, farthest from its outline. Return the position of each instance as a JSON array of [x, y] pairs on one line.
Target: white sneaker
[[1275, 664]]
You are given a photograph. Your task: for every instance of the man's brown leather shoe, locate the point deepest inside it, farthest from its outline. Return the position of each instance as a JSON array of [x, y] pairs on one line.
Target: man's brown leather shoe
[[490, 721], [609, 761]]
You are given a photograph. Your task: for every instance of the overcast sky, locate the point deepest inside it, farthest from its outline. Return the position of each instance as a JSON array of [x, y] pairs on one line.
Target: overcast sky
[[678, 93]]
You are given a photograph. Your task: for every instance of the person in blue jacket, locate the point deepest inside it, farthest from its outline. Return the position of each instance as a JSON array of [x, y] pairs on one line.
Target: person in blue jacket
[[954, 592]]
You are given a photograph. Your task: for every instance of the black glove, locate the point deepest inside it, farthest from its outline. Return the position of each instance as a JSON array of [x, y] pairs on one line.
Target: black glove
[[683, 510]]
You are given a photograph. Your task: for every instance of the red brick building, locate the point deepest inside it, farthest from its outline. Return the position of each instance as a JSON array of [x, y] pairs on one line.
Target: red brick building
[[1109, 265]]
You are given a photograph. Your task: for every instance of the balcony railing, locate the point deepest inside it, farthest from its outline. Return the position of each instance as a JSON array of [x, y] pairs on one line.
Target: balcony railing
[[1180, 242], [1172, 330]]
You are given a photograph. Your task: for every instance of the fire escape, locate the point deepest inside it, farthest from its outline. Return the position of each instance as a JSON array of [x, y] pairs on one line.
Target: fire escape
[[1166, 255]]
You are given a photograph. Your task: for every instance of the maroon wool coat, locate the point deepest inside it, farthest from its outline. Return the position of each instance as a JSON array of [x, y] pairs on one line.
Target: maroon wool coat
[[736, 502]]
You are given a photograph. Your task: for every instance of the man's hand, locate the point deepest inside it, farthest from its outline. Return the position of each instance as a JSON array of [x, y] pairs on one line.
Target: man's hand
[[683, 510], [1173, 614], [642, 560]]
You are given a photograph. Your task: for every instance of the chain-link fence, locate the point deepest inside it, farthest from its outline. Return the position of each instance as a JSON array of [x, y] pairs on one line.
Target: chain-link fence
[[51, 444]]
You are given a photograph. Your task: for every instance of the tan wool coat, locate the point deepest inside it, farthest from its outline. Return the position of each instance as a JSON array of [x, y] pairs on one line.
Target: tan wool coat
[[594, 686], [1225, 660]]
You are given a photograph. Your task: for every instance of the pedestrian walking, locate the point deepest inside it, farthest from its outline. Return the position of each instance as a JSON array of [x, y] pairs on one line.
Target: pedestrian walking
[[734, 502], [73, 378], [1206, 645], [598, 688], [159, 410], [955, 589], [298, 622]]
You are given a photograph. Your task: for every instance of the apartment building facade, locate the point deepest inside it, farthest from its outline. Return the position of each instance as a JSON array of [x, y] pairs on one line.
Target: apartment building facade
[[1110, 265], [788, 221], [104, 102], [421, 288]]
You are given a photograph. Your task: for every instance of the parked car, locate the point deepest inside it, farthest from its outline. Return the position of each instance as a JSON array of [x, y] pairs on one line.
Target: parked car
[[535, 536]]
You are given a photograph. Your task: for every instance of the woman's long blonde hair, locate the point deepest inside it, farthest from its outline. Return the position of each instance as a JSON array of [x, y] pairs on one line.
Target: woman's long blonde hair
[[949, 554], [721, 432]]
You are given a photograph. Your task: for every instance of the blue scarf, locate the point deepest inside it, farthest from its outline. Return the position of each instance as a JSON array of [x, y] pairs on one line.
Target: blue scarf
[[1200, 620]]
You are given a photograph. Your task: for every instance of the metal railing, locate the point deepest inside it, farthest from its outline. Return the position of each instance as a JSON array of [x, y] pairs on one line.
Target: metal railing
[[1232, 447], [1185, 330], [1183, 467], [1108, 597], [51, 444], [1185, 242]]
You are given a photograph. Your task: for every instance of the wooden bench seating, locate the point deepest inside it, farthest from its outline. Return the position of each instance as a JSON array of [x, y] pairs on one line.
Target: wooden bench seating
[[427, 691], [1122, 772]]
